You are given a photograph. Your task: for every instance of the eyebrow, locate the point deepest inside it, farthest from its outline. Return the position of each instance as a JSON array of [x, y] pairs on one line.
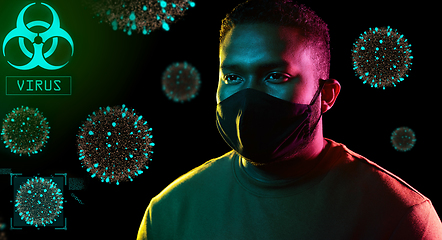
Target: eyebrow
[[264, 66]]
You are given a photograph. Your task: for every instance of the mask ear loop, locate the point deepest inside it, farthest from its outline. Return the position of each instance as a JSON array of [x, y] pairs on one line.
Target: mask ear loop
[[321, 86]]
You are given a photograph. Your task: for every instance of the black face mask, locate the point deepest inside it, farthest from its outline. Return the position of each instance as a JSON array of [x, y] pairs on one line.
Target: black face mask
[[264, 128]]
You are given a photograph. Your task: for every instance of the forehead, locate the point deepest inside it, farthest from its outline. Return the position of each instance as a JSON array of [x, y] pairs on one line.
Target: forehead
[[248, 43]]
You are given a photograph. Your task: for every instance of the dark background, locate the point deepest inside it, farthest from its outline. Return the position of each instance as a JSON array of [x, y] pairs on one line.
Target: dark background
[[111, 68]]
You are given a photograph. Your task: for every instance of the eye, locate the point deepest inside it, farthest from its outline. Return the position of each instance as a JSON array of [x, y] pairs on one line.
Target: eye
[[232, 79], [277, 78]]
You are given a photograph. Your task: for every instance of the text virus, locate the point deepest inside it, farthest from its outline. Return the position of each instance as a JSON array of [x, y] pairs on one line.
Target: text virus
[[39, 201], [403, 139], [181, 82], [381, 57], [115, 144], [25, 131], [142, 16]]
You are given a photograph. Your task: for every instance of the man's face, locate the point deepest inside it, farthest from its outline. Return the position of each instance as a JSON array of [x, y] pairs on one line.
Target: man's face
[[274, 60], [269, 58]]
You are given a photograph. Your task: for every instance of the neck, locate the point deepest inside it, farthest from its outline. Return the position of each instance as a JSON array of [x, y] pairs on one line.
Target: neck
[[290, 169]]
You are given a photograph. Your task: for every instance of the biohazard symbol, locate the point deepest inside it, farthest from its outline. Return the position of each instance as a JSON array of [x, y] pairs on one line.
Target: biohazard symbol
[[38, 58]]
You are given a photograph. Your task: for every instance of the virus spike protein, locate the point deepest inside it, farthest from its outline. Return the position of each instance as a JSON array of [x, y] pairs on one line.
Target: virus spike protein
[[381, 57], [115, 144], [25, 131], [142, 16], [403, 139], [39, 202], [181, 82]]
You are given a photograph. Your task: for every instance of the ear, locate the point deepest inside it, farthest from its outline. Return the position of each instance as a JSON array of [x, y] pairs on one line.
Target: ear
[[329, 93]]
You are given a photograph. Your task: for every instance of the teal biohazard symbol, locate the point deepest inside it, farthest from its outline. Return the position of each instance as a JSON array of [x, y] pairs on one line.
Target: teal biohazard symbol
[[38, 58]]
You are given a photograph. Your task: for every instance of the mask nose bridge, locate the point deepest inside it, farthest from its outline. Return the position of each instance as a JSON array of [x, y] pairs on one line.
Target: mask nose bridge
[[245, 97]]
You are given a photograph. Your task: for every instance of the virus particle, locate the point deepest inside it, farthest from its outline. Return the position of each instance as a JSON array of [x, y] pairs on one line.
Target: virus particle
[[381, 57], [181, 82], [25, 131], [403, 139], [115, 144], [142, 16], [39, 201]]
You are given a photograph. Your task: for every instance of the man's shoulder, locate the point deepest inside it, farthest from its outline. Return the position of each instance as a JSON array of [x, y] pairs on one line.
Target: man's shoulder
[[377, 181], [198, 178]]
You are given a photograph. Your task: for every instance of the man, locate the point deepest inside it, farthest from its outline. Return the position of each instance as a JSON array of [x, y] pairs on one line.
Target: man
[[283, 179]]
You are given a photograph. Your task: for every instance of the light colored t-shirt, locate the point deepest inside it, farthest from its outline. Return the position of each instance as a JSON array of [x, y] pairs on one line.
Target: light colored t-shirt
[[345, 196]]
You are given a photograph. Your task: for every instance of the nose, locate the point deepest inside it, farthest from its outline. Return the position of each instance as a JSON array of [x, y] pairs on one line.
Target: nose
[[254, 83]]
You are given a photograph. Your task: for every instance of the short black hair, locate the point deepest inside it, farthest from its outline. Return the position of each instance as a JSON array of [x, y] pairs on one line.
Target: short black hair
[[285, 13]]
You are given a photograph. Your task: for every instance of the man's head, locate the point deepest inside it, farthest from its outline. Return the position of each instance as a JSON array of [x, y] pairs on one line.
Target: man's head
[[277, 47], [295, 34], [286, 13]]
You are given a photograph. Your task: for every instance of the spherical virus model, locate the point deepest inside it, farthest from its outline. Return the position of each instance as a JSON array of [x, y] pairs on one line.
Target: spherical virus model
[[115, 144], [181, 82], [381, 57], [25, 131], [39, 201], [140, 15], [403, 139]]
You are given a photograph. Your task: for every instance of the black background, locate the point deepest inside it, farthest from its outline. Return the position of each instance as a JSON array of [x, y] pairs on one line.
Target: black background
[[111, 68]]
